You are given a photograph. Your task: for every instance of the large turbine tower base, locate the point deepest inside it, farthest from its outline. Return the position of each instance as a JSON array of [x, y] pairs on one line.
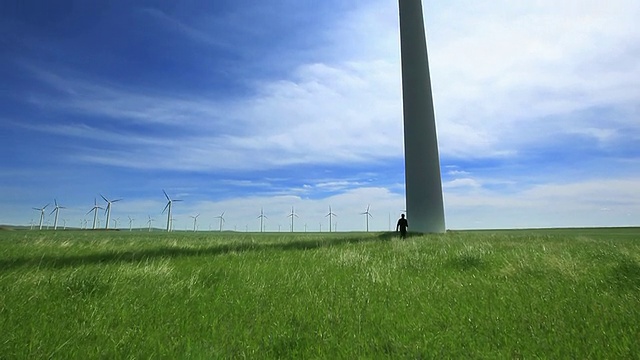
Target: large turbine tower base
[[425, 205]]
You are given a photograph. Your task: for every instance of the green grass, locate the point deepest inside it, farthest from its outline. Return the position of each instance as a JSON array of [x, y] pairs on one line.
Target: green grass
[[560, 293]]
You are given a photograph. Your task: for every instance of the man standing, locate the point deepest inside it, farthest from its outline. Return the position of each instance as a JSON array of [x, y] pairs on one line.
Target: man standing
[[402, 226]]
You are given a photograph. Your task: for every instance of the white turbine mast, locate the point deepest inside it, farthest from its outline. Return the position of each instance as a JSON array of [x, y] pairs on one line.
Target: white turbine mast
[[95, 212], [221, 217], [168, 207], [195, 221], [262, 216], [367, 214], [108, 209], [56, 209], [130, 222], [292, 215], [41, 215], [423, 181], [330, 215], [149, 222]]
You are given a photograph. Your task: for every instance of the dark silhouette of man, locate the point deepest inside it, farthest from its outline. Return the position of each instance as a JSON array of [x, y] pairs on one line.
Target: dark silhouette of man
[[402, 226]]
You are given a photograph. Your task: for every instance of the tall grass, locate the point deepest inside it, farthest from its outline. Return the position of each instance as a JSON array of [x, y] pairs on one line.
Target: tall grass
[[512, 294]]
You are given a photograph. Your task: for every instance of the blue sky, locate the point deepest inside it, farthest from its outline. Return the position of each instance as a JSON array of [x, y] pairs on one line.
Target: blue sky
[[233, 106]]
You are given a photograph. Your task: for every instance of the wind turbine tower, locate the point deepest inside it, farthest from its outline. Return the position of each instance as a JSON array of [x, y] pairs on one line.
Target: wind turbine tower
[[262, 216], [41, 215], [221, 217], [130, 222], [95, 212], [149, 222], [168, 206], [330, 215], [195, 221], [425, 205], [292, 215], [108, 209], [56, 210], [367, 214]]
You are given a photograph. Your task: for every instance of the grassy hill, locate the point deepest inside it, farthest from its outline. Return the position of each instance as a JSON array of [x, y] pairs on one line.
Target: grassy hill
[[549, 293]]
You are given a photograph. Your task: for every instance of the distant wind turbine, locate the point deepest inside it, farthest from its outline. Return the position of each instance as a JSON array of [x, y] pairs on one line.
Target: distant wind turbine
[[56, 210], [41, 214], [95, 212], [108, 209], [115, 221], [130, 222], [221, 217], [168, 206], [367, 214], [330, 215], [292, 215], [195, 221], [149, 222], [262, 216]]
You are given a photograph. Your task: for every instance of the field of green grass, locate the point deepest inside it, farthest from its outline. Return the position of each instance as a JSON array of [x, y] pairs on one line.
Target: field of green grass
[[564, 293]]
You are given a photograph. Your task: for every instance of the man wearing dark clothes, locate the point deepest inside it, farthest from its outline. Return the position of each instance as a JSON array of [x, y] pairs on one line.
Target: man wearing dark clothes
[[403, 224]]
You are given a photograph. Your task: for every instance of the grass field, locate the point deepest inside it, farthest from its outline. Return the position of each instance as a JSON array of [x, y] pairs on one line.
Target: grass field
[[565, 293]]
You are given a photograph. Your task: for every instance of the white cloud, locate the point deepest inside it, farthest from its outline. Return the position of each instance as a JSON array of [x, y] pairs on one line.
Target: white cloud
[[503, 70], [554, 204], [501, 75], [462, 182]]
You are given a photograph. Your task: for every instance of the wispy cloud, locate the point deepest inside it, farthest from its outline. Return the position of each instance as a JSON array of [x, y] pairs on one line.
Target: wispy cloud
[[190, 32], [322, 115]]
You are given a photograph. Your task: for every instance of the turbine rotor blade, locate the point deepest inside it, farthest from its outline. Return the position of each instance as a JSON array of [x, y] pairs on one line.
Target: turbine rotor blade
[[165, 195]]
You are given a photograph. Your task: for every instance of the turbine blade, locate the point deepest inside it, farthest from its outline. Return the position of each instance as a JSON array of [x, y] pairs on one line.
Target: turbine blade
[[165, 195], [165, 207], [104, 198]]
